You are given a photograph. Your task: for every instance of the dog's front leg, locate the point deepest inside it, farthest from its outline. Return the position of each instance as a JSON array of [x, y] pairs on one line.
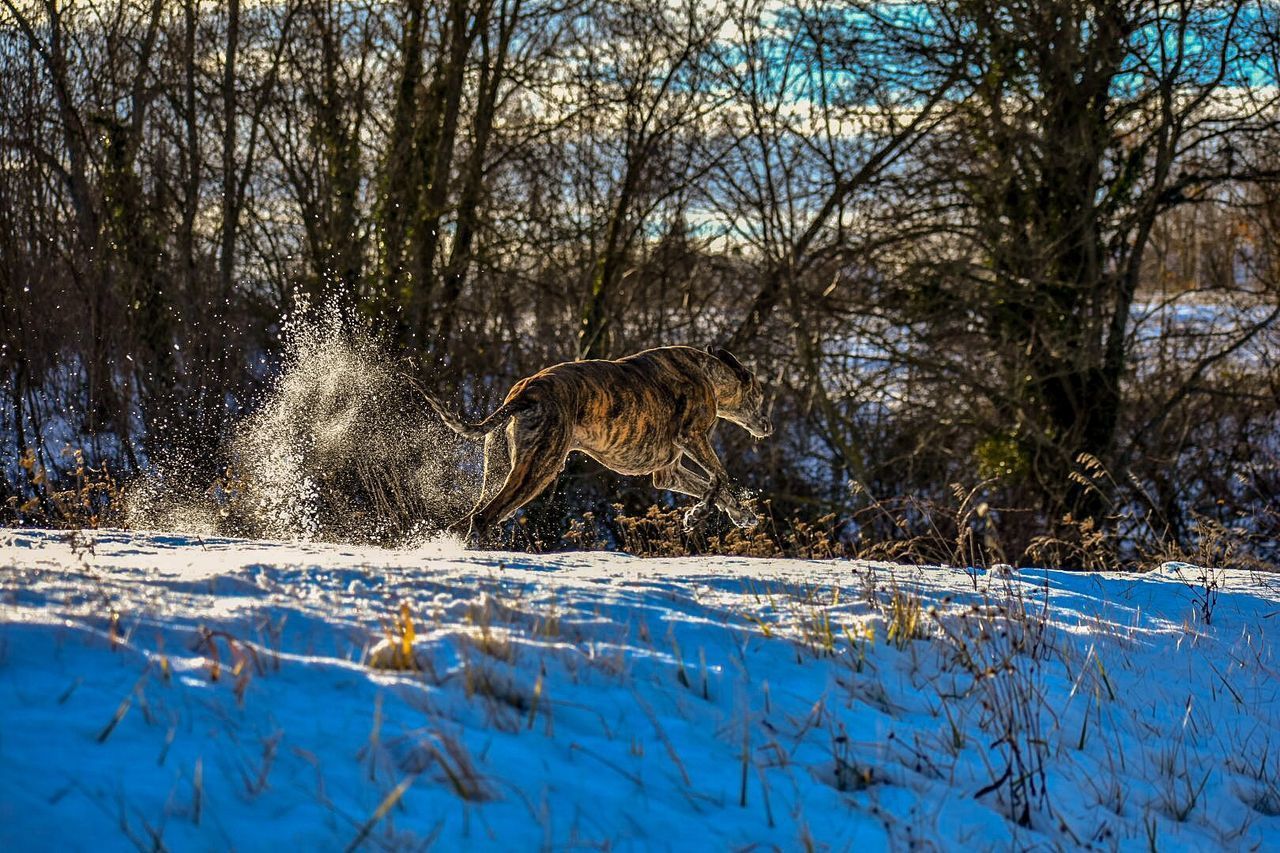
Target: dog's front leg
[[678, 478], [699, 449], [696, 514]]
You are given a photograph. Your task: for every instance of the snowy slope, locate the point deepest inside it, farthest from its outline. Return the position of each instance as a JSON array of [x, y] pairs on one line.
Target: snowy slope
[[592, 700]]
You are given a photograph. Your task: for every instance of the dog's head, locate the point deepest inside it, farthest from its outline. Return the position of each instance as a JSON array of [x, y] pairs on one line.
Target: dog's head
[[739, 396]]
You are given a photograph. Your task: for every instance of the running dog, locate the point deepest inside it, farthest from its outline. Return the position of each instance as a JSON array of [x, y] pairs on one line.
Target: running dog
[[647, 413]]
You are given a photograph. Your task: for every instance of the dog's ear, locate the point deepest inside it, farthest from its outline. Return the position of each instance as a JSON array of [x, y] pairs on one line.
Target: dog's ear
[[730, 362]]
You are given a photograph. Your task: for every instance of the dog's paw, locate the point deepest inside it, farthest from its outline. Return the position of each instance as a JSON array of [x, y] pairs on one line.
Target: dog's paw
[[696, 515], [471, 535], [742, 517]]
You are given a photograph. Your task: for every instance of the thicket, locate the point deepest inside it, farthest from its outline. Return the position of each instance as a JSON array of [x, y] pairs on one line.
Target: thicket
[[1012, 270]]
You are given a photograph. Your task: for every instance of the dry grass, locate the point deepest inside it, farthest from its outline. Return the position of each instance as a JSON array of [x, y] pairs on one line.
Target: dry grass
[[964, 530], [80, 496], [1001, 647], [905, 617], [965, 527], [396, 650]]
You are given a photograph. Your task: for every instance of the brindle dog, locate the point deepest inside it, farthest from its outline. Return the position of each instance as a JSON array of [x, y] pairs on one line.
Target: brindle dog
[[643, 414]]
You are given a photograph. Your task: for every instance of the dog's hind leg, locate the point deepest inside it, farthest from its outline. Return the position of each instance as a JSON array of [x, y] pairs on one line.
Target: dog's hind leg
[[537, 457], [497, 463]]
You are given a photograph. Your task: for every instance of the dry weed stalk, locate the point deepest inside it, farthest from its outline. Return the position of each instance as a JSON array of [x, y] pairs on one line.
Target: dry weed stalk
[[90, 496]]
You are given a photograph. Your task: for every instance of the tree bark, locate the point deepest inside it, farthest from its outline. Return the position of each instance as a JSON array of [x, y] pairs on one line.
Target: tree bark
[[492, 78]]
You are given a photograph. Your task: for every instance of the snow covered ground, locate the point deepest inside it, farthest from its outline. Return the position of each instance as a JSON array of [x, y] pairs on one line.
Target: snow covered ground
[[167, 691]]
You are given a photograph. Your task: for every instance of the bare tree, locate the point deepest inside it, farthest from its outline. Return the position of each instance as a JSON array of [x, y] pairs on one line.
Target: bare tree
[[1081, 127], [1006, 245]]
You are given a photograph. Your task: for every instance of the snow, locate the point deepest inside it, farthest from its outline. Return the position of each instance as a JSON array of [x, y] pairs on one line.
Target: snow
[[593, 699]]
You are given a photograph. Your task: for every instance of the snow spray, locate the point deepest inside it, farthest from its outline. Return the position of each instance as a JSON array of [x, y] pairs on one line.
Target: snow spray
[[340, 448]]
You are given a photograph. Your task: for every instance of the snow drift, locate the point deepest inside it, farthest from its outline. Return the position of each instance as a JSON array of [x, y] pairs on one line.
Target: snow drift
[[177, 691]]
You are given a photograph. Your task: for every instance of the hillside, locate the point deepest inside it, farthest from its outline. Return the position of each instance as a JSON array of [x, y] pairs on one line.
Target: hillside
[[164, 691]]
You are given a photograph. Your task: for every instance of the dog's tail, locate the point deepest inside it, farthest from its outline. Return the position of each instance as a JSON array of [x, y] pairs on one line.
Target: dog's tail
[[474, 431]]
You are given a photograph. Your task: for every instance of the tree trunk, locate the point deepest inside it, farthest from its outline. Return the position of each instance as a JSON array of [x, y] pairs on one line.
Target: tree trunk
[[438, 133], [400, 196], [491, 80]]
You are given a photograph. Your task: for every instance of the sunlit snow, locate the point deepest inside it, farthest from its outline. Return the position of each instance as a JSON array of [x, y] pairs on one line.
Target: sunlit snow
[[171, 691]]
